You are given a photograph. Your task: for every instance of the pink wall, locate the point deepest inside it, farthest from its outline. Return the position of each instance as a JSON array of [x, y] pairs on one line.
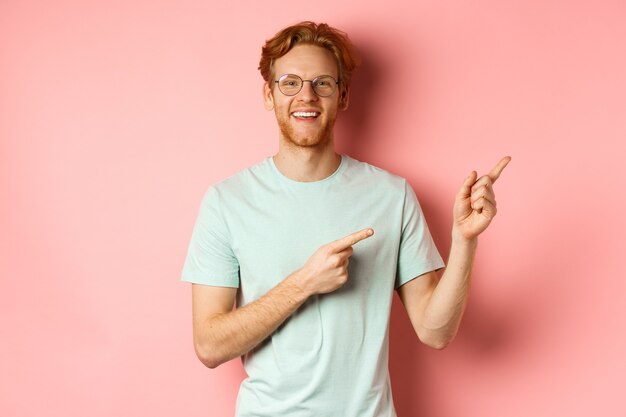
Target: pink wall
[[114, 118]]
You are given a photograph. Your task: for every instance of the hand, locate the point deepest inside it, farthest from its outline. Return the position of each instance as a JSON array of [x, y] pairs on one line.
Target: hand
[[475, 203], [327, 269]]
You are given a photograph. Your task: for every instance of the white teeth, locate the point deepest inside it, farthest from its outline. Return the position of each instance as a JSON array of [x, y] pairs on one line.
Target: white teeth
[[305, 114]]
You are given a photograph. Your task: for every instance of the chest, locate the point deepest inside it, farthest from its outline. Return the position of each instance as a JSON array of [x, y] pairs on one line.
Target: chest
[[273, 237]]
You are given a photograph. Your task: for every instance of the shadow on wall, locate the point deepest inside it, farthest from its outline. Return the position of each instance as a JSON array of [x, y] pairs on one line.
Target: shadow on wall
[[494, 332], [355, 124], [483, 334]]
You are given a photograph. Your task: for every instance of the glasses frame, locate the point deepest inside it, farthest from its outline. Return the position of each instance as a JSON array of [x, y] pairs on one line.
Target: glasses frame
[[337, 82]]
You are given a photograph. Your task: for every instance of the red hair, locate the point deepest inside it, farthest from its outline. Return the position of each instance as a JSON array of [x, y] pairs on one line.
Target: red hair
[[327, 37]]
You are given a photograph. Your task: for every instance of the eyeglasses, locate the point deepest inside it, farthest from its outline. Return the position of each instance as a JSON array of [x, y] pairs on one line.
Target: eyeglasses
[[323, 86]]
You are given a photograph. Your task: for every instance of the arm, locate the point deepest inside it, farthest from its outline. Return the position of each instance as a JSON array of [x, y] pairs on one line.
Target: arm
[[221, 334], [436, 306]]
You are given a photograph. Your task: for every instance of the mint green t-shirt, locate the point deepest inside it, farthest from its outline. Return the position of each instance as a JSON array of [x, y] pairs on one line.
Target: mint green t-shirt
[[330, 358]]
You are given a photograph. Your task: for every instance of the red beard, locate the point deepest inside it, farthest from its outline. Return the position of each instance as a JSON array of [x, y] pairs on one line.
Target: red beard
[[319, 138]]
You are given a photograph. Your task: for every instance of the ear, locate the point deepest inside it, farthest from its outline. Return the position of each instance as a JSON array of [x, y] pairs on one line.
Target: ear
[[344, 98], [268, 97]]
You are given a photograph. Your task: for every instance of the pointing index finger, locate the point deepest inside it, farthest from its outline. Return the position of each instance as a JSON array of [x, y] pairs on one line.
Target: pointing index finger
[[494, 174], [351, 239]]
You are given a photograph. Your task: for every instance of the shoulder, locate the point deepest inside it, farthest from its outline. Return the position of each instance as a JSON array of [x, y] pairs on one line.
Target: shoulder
[[375, 176], [240, 181]]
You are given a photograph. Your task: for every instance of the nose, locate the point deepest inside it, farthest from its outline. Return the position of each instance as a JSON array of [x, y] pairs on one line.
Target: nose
[[306, 93]]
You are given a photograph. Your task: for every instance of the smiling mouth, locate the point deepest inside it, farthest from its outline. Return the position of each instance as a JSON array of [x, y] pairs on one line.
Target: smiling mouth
[[305, 114]]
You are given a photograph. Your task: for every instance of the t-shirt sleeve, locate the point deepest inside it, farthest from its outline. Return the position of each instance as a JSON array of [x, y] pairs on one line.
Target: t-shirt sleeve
[[418, 253], [210, 259]]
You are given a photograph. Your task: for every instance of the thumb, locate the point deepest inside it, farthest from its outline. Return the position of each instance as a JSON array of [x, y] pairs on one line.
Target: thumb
[[466, 188]]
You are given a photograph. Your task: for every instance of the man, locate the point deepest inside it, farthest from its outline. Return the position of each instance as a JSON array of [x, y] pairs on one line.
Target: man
[[310, 245]]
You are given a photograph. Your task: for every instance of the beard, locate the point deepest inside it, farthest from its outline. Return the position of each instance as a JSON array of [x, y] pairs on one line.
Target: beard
[[319, 138]]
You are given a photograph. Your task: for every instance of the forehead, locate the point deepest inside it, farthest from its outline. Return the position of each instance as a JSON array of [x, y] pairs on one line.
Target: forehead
[[306, 61]]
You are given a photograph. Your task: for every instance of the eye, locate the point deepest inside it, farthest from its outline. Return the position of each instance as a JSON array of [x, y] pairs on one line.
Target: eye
[[290, 82]]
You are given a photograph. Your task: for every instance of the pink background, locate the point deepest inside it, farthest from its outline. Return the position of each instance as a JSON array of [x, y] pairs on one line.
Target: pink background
[[115, 116]]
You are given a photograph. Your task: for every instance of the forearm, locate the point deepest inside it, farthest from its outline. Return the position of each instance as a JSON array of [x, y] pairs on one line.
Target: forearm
[[228, 334], [444, 310], [225, 336]]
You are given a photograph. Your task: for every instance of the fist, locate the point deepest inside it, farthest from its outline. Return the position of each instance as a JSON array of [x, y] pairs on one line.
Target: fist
[[327, 269], [475, 203]]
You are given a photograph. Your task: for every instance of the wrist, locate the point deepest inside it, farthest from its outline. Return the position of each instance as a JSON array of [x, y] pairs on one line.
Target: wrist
[[458, 239], [298, 281]]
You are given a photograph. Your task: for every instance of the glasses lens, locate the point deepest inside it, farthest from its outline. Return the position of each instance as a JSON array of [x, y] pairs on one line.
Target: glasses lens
[[289, 84], [324, 86]]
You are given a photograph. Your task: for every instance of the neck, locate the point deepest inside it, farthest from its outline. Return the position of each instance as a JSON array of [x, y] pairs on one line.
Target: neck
[[306, 164]]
